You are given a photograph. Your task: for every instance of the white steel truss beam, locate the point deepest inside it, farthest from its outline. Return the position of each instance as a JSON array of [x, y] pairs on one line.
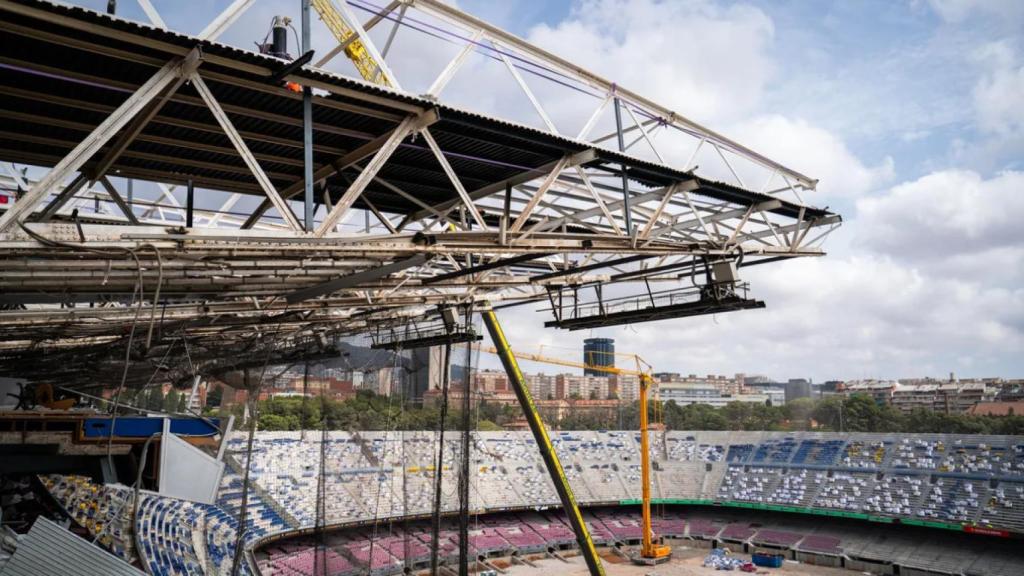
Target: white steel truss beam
[[646, 231], [646, 135], [599, 201], [524, 215], [453, 66], [75, 159], [525, 88], [119, 201], [63, 197], [391, 144], [152, 14], [461, 19], [138, 125], [225, 19], [718, 217], [467, 201], [243, 150], [120, 117], [343, 162]]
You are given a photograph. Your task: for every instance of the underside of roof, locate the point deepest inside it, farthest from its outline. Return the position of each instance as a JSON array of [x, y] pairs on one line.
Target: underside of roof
[[65, 69], [497, 213]]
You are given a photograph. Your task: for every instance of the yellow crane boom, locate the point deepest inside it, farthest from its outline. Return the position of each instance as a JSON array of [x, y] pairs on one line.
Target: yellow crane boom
[[640, 363], [650, 553], [364, 62]]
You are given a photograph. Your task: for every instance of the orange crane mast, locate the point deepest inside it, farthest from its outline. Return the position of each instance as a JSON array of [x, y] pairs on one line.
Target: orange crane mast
[[650, 552]]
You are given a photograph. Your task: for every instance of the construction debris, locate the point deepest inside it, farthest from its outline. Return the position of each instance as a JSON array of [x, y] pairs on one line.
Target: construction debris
[[719, 559]]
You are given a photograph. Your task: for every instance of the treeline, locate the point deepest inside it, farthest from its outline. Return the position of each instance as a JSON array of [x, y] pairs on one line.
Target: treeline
[[154, 399], [365, 411], [857, 413]]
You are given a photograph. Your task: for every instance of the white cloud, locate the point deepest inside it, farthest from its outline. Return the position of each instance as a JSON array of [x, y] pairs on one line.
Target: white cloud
[[707, 61], [834, 317], [999, 93], [944, 214], [815, 152], [929, 280], [930, 285]]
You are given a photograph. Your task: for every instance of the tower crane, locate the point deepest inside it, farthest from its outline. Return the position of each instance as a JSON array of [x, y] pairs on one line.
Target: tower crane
[[355, 50], [650, 552]]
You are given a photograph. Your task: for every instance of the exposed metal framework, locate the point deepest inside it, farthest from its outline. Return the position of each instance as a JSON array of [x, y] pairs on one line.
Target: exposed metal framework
[[102, 252], [417, 203]]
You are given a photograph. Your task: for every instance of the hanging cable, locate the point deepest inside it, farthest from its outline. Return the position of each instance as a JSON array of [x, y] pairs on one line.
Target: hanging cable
[[406, 545], [320, 555], [253, 399], [435, 526], [127, 364], [388, 428], [139, 290], [464, 467], [156, 293]]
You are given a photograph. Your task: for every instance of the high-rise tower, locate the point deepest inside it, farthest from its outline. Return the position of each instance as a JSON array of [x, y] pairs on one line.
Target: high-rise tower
[[598, 352]]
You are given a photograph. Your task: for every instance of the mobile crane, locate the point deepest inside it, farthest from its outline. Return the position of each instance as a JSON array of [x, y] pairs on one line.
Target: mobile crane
[[650, 552]]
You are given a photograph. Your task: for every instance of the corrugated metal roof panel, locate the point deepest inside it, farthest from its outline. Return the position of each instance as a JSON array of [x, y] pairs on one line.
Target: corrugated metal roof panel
[[106, 62], [49, 549]]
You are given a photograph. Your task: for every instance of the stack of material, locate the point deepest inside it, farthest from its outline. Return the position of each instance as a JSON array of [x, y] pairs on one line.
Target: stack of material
[[719, 559]]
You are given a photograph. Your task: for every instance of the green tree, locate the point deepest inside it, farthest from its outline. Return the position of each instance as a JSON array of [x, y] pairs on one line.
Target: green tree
[[368, 411], [694, 417], [828, 412], [799, 413], [155, 400], [215, 396], [171, 401], [270, 421]]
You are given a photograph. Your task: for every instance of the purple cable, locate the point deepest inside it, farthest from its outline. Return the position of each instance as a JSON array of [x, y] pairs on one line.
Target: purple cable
[[116, 89], [372, 8], [65, 78], [377, 9]]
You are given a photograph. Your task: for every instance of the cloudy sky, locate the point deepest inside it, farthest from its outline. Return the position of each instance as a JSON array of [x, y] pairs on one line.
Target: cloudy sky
[[909, 112]]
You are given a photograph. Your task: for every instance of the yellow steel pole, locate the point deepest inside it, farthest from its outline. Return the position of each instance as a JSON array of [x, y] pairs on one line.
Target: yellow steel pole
[[645, 470], [547, 450]]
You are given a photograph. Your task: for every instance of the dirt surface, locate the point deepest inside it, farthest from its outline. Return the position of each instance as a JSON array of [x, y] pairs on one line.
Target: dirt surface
[[685, 562]]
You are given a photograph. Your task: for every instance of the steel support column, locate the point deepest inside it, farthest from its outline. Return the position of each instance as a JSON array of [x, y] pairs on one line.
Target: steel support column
[[622, 167], [307, 128], [190, 198], [645, 469], [547, 451]]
